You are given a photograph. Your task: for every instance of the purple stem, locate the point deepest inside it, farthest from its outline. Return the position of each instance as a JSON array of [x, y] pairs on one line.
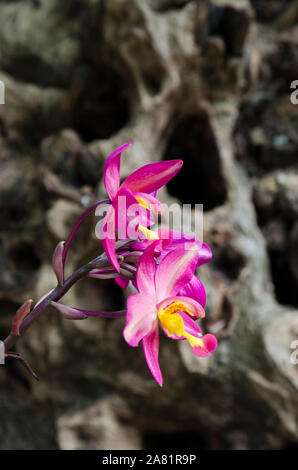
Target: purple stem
[[79, 222], [92, 313], [55, 295]]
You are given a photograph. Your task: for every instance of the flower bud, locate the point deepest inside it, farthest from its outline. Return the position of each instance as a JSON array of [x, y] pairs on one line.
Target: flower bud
[[57, 262], [69, 312], [19, 317]]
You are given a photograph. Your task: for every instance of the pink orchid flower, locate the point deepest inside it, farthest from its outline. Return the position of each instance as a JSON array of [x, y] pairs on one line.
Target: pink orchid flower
[[157, 301], [138, 188], [168, 241]]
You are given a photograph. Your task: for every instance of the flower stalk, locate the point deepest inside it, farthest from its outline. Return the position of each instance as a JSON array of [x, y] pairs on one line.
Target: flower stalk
[[160, 265], [56, 294]]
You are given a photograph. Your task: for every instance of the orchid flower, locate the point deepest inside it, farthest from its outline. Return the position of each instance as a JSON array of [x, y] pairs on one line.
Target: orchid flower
[[157, 301], [161, 267], [138, 188], [168, 241]]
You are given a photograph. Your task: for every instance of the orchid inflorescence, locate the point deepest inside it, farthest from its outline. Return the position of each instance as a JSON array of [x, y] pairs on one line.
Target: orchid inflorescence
[[159, 265]]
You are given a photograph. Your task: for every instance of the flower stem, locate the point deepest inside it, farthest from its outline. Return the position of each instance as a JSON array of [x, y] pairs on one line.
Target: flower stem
[[79, 222], [55, 295]]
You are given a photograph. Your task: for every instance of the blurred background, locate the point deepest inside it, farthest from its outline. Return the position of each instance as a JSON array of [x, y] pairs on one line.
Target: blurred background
[[208, 81]]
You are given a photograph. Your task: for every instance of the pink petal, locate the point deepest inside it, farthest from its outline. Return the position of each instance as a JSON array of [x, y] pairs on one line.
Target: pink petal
[[151, 350], [190, 326], [205, 254], [139, 245], [165, 234], [130, 214], [173, 238], [111, 174], [195, 290], [108, 240], [146, 271], [123, 283], [141, 317], [210, 344], [176, 270], [153, 176]]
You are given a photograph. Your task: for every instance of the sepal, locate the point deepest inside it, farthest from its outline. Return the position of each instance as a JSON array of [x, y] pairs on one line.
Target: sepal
[[72, 313], [19, 316]]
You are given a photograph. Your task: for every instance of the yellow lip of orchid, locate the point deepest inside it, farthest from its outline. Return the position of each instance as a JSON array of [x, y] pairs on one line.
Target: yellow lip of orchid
[[150, 206], [173, 308], [193, 340], [149, 234], [172, 322], [142, 203]]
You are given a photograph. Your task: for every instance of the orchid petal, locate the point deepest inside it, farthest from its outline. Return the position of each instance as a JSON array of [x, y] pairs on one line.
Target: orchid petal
[[203, 347], [130, 214], [165, 234], [205, 254], [111, 173], [146, 271], [141, 316], [151, 350], [153, 176], [190, 327], [108, 239], [176, 270], [195, 290], [139, 245], [123, 283], [173, 238]]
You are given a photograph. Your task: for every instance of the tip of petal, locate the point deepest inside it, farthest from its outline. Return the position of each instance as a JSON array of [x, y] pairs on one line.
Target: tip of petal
[[210, 342], [178, 163], [159, 381]]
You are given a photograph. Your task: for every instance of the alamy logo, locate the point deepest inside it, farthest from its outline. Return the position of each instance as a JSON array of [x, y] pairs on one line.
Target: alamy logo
[[294, 94], [2, 93], [2, 353]]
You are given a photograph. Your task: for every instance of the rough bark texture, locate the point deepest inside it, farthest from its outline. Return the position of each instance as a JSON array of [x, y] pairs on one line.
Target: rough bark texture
[[208, 81]]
